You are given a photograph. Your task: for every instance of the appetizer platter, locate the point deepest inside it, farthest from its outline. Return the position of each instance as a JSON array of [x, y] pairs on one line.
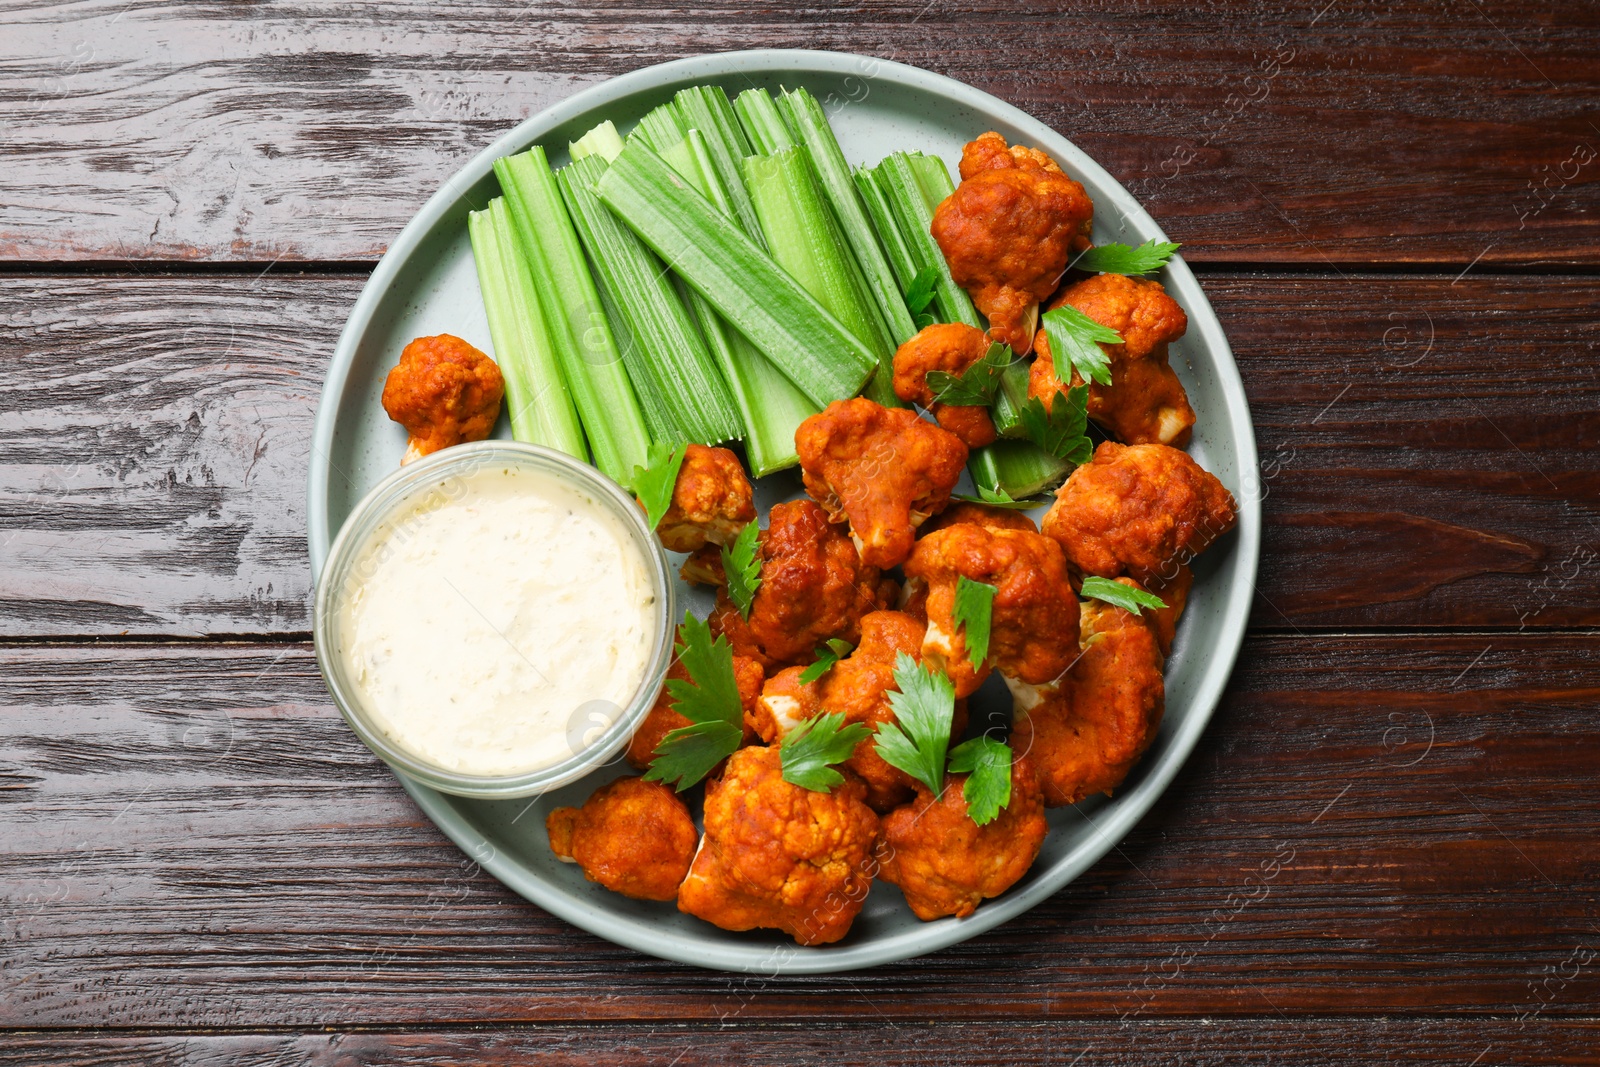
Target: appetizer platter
[[875, 533]]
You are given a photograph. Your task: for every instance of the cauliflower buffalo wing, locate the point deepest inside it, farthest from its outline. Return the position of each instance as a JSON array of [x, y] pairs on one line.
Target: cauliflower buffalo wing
[[813, 587], [632, 836], [1008, 232], [969, 513], [663, 718], [883, 469], [1174, 592], [1145, 402], [1139, 510], [858, 686], [711, 501], [952, 347], [946, 864], [1084, 735], [444, 392], [1034, 605], [778, 856]]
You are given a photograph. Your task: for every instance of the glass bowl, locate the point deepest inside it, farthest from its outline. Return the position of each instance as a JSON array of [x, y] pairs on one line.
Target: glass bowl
[[596, 730]]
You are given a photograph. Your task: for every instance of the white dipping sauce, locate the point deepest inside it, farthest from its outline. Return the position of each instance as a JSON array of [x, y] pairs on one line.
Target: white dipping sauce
[[479, 622]]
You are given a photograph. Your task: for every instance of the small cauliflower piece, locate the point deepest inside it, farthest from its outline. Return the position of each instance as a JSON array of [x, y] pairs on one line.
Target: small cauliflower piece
[[632, 836], [711, 501], [1174, 592], [884, 470], [444, 392], [662, 718], [946, 864], [1008, 232], [969, 513], [778, 856], [1084, 736], [1145, 402], [952, 347], [1139, 510], [1034, 617]]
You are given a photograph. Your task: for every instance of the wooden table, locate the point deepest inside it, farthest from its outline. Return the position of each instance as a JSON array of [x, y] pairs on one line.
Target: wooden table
[[1394, 208]]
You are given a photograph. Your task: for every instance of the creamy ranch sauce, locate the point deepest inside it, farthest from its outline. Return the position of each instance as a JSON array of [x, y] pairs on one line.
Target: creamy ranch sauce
[[478, 623]]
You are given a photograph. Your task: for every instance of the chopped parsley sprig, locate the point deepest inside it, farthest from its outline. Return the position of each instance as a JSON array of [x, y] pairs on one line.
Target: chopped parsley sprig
[[1122, 596], [924, 709], [653, 485], [742, 566], [975, 386], [1061, 430], [987, 765], [998, 498], [827, 655], [920, 295], [1075, 341], [809, 751], [1120, 259], [973, 612], [709, 699]]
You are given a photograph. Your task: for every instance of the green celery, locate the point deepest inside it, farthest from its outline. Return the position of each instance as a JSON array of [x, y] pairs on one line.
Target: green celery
[[895, 249], [603, 141], [912, 184], [805, 241], [833, 174], [763, 122], [537, 401], [672, 358], [661, 128], [1020, 468], [710, 252], [1010, 398], [579, 331], [707, 109]]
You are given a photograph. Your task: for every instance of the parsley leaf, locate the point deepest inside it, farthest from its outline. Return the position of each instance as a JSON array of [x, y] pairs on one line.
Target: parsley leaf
[[1060, 431], [975, 386], [924, 320], [1120, 259], [653, 486], [987, 765], [709, 699], [827, 656], [742, 566], [973, 611], [1116, 594], [920, 295], [808, 750], [924, 708], [1075, 341], [998, 498]]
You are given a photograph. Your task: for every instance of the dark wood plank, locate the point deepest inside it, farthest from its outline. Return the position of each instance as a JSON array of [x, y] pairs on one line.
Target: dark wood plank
[[1255, 131], [194, 839], [1082, 1043], [156, 438]]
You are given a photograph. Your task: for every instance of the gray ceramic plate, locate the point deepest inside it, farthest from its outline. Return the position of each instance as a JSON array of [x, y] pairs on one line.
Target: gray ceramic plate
[[426, 285]]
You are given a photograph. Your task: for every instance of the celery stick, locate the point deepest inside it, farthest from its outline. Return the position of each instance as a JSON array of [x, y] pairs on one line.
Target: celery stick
[[658, 416], [833, 174], [661, 128], [762, 300], [771, 405], [536, 396], [706, 108], [894, 244], [670, 358], [1020, 468], [906, 185], [762, 122], [579, 331], [805, 241], [1010, 398], [603, 141]]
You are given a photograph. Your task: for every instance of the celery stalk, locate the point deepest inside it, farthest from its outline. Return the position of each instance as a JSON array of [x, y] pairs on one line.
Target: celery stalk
[[893, 241], [661, 128], [579, 331], [706, 108], [833, 174], [763, 122], [1020, 468], [536, 396], [675, 363], [912, 186], [603, 141], [710, 252], [805, 241]]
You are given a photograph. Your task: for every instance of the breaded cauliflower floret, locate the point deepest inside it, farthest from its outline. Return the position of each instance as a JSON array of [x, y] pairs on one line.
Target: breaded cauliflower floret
[[663, 718], [1085, 735], [444, 392], [946, 864], [1175, 594], [1034, 617], [813, 587], [966, 512], [1139, 510], [1008, 232], [1145, 402], [883, 469], [711, 501], [952, 347], [859, 687], [778, 856], [632, 836]]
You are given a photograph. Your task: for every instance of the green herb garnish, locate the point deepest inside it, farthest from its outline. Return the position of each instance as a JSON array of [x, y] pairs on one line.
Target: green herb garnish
[[1060, 431], [1122, 596], [810, 749], [972, 612], [709, 699], [924, 709], [975, 386], [987, 765], [998, 498], [920, 294], [827, 655], [742, 567], [1075, 341], [1120, 259], [654, 484]]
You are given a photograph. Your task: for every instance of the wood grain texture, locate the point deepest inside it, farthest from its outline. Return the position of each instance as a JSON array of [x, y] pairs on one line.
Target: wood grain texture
[[1340, 1042], [194, 839], [1342, 132], [1430, 450]]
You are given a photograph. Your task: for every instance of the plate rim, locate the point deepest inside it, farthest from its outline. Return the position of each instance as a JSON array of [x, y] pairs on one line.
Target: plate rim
[[1118, 817]]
